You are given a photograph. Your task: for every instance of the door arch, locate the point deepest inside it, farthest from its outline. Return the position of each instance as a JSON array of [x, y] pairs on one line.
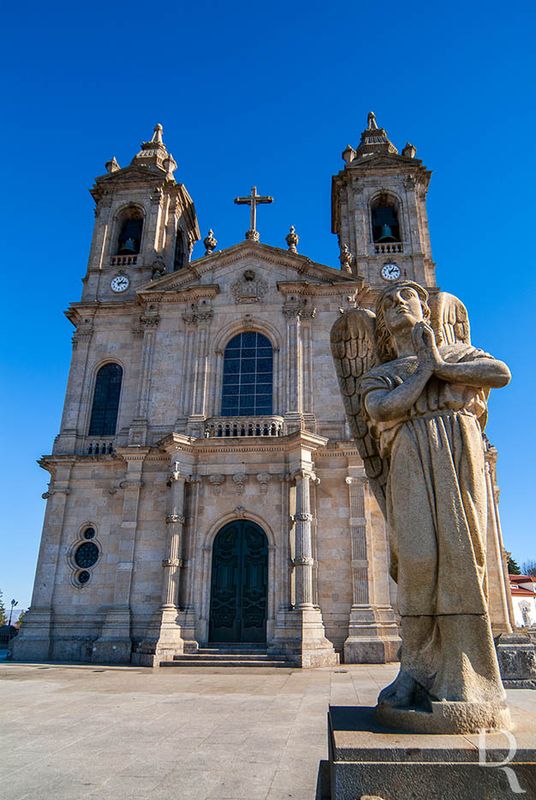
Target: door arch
[[239, 583]]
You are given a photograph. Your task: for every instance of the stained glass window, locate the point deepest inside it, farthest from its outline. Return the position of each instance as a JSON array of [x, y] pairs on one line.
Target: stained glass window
[[86, 555], [83, 576], [106, 401], [247, 376]]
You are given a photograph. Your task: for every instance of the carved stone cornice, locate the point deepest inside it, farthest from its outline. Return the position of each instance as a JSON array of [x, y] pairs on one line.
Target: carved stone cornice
[[299, 307], [83, 332], [171, 519], [172, 562], [200, 311], [240, 479]]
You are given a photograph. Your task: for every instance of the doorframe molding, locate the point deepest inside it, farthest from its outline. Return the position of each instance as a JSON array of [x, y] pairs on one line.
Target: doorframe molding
[[206, 572]]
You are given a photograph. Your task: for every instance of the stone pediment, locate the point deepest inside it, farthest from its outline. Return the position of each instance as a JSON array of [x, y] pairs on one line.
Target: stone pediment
[[383, 160], [296, 268], [130, 176]]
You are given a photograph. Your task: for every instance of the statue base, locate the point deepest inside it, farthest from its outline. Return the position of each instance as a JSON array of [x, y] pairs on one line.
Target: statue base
[[367, 759], [446, 717]]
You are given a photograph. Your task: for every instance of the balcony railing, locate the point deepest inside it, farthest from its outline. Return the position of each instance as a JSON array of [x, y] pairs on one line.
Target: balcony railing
[[388, 247], [223, 427], [123, 261], [99, 447]]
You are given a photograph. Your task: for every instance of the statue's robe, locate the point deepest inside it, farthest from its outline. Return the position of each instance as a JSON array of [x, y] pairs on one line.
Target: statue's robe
[[437, 518]]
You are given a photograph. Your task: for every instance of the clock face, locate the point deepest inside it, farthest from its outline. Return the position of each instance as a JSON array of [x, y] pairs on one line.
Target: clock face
[[390, 272], [120, 283]]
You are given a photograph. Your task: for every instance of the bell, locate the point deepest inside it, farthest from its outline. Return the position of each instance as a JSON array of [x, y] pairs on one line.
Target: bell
[[128, 246], [387, 234]]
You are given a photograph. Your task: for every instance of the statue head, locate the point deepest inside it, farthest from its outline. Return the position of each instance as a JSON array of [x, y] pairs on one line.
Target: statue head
[[400, 306]]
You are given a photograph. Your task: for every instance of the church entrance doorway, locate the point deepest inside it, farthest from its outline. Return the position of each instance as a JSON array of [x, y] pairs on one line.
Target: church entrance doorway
[[239, 585]]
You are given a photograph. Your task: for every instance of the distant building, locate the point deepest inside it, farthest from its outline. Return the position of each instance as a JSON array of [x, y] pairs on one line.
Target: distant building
[[205, 488], [523, 589]]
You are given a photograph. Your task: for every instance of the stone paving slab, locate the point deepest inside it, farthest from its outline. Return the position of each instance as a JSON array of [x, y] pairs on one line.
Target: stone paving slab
[[73, 731]]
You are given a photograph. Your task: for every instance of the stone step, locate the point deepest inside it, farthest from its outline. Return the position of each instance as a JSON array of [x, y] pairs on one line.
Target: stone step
[[226, 656], [200, 661]]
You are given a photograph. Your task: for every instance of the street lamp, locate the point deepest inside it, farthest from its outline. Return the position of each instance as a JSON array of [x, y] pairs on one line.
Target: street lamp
[[13, 604]]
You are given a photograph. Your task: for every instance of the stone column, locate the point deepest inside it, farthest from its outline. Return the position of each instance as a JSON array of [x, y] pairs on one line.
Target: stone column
[[372, 629], [175, 523], [149, 321], [303, 560], [35, 641], [114, 644]]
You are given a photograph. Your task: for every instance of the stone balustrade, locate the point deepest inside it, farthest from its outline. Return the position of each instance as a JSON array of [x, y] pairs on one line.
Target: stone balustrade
[[388, 247], [220, 427], [98, 446], [123, 261]]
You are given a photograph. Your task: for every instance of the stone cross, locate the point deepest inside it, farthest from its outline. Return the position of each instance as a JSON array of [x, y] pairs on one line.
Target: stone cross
[[252, 201]]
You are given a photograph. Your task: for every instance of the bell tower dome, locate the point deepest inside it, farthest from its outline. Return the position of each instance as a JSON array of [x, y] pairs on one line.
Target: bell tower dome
[[378, 204], [145, 223]]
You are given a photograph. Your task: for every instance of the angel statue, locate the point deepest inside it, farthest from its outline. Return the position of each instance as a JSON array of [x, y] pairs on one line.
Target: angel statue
[[415, 392]]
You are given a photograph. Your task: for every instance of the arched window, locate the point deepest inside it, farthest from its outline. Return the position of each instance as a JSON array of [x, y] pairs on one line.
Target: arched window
[[130, 230], [180, 258], [106, 401], [247, 376], [385, 224]]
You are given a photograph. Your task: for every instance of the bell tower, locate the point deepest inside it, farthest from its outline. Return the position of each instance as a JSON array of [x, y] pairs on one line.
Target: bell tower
[[378, 211], [145, 224]]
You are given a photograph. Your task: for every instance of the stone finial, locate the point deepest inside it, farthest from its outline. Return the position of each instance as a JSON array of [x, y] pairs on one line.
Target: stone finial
[[410, 151], [292, 239], [112, 166], [348, 154], [372, 125], [170, 165], [157, 135], [210, 242], [346, 259]]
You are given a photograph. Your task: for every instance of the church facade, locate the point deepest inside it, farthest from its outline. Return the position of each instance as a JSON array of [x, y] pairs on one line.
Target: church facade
[[204, 485]]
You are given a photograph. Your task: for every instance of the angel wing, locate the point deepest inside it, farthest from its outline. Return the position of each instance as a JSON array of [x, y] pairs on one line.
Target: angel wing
[[354, 354], [450, 322], [450, 319]]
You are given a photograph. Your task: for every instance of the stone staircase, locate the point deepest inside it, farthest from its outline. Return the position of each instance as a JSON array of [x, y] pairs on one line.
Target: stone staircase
[[228, 655]]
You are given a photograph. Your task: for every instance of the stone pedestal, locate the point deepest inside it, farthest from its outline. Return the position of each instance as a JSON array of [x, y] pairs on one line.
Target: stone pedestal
[[163, 641], [516, 654], [373, 636], [369, 760], [300, 636], [114, 646], [33, 641]]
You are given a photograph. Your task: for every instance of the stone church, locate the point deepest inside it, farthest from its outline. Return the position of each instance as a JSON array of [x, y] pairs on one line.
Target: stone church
[[205, 492]]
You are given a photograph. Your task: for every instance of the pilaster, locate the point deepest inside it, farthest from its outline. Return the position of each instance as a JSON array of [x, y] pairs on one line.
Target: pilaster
[[149, 321], [164, 636], [372, 630], [299, 630], [500, 600], [114, 644], [34, 641]]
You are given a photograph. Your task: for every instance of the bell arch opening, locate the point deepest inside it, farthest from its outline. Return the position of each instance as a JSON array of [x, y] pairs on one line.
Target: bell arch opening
[[239, 584], [385, 219]]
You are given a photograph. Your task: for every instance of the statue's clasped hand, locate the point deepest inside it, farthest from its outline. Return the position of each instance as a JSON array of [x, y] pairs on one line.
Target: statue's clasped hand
[[425, 346]]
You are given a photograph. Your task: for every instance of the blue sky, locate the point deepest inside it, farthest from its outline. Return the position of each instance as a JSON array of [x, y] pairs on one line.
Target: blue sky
[[266, 94]]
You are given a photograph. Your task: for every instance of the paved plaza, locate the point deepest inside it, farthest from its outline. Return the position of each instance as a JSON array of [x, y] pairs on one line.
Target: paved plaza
[[76, 731]]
